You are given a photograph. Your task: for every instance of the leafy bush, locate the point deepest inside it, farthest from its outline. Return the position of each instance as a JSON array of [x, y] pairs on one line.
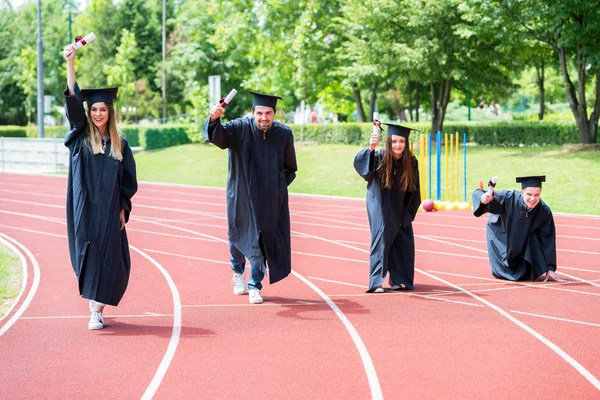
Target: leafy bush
[[13, 131], [157, 137]]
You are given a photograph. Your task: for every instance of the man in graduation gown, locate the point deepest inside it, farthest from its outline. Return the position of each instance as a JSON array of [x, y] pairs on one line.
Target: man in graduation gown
[[262, 164], [521, 237]]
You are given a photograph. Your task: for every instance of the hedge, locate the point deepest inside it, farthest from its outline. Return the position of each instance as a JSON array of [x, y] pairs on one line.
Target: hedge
[[513, 133], [510, 133], [13, 131]]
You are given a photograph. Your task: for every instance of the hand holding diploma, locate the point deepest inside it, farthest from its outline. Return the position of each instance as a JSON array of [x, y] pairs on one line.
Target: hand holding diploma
[[79, 43], [219, 109], [489, 195], [376, 129]]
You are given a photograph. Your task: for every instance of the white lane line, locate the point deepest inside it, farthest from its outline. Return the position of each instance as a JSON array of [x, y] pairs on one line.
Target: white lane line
[[25, 274], [114, 316], [579, 269], [555, 318], [374, 385], [428, 297], [34, 286], [561, 353], [18, 228], [184, 256], [175, 333], [452, 244], [547, 285], [376, 392], [331, 257], [338, 282], [580, 279]]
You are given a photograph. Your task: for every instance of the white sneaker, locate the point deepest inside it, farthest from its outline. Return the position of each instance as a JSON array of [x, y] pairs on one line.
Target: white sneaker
[[96, 321], [255, 297], [239, 284], [378, 290]]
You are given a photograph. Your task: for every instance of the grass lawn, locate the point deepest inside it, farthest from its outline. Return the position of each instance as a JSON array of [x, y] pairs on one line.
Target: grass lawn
[[572, 183], [10, 278]]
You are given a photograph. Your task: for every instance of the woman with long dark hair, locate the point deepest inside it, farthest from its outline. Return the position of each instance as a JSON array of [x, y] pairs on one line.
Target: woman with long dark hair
[[102, 181], [393, 199]]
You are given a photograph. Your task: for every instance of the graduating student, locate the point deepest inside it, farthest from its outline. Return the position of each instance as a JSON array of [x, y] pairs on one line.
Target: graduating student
[[521, 237], [102, 181], [262, 164], [393, 198]]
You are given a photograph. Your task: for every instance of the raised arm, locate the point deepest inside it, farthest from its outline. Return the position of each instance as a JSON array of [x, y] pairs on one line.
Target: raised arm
[[75, 112]]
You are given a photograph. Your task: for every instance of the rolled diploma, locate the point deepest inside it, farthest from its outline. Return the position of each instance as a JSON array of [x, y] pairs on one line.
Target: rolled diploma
[[85, 40], [229, 97]]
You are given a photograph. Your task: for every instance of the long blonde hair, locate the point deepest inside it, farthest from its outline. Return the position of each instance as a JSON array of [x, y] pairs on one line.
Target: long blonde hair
[[385, 168], [94, 139]]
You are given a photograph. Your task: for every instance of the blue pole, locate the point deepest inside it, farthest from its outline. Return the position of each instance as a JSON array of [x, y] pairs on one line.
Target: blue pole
[[438, 155], [465, 163]]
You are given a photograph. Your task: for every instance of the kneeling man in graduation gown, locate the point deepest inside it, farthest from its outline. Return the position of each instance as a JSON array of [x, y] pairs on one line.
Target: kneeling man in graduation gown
[[262, 164], [521, 237]]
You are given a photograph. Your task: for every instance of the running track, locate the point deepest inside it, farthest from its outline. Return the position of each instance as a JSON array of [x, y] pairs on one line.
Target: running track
[[181, 333]]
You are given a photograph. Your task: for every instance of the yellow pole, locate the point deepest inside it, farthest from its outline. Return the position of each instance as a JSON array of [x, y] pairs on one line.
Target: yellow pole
[[421, 163], [427, 166], [446, 162]]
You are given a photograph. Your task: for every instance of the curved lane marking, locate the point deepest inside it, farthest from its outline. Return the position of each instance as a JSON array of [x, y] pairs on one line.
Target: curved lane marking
[[175, 333], [25, 274], [374, 385], [32, 291]]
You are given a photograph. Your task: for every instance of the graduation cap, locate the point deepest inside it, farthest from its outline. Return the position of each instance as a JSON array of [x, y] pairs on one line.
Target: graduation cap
[[104, 95], [399, 130], [531, 181], [267, 100]]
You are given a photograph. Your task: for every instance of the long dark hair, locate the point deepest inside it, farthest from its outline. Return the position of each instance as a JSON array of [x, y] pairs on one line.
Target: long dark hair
[[385, 168]]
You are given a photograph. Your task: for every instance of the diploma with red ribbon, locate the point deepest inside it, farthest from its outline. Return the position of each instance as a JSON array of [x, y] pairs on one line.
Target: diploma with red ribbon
[[376, 124], [226, 100], [82, 41], [491, 186]]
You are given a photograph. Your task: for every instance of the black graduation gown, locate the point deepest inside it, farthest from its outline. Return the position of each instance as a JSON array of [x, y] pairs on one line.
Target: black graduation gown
[[261, 167], [98, 188], [521, 244], [391, 213]]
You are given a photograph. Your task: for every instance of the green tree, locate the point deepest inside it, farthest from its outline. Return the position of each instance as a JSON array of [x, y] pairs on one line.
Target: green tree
[[122, 73], [571, 28]]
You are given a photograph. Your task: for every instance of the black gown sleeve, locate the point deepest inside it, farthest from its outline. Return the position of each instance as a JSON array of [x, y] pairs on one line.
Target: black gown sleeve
[[75, 113], [217, 134], [365, 163], [129, 181], [289, 163], [496, 206], [413, 197], [547, 236]]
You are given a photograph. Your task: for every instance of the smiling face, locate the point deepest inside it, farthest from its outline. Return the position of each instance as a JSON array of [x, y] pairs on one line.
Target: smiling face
[[531, 196], [263, 116], [99, 114], [398, 145]]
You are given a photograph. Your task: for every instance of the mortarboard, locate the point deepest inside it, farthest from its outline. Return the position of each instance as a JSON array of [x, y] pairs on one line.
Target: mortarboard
[[531, 181], [104, 95], [399, 130], [267, 100]]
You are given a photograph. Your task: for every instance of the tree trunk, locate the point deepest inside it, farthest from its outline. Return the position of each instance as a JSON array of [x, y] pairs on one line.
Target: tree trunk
[[587, 128], [373, 100], [408, 91], [417, 101], [439, 103], [358, 101], [540, 83]]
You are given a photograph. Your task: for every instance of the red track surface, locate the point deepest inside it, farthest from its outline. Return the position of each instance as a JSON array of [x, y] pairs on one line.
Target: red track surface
[[181, 333]]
